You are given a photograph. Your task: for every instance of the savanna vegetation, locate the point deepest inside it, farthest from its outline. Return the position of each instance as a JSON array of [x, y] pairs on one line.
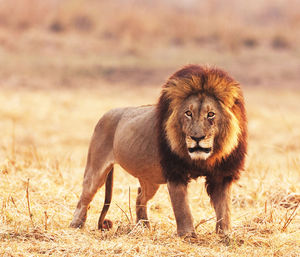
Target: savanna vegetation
[[65, 63]]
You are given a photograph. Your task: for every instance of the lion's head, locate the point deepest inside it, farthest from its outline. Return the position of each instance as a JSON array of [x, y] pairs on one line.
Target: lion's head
[[202, 114], [199, 119]]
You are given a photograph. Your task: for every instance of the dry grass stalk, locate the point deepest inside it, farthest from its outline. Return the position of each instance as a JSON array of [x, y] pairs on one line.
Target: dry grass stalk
[[203, 221], [290, 218], [266, 206], [14, 203], [28, 203], [46, 220], [129, 206], [129, 221]]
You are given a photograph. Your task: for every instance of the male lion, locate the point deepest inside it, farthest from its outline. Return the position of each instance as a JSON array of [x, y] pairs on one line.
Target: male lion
[[197, 128]]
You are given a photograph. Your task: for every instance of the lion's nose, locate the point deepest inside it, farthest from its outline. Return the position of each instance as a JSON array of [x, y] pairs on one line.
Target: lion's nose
[[198, 139]]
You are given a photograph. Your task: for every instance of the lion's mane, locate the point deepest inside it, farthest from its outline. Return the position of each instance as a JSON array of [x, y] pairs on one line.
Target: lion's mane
[[230, 146]]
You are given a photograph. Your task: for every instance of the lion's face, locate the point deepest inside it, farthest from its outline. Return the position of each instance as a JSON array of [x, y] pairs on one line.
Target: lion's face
[[205, 118], [199, 117], [201, 127]]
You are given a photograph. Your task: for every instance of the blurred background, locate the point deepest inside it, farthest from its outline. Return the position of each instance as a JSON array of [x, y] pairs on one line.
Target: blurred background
[[64, 63], [79, 43]]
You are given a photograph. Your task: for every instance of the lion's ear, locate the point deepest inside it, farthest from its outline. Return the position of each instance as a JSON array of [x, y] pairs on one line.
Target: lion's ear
[[223, 88], [177, 88], [231, 94]]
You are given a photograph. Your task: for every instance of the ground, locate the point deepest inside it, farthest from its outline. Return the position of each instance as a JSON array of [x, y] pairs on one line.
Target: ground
[[57, 80]]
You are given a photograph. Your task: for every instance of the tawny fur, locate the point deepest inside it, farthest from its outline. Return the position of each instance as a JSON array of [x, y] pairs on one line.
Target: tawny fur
[[172, 142]]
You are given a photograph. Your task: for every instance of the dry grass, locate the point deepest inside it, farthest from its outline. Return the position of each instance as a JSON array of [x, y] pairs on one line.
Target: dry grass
[[64, 63], [44, 139]]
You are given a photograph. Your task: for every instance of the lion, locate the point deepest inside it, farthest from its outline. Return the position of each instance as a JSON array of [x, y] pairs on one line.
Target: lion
[[197, 128]]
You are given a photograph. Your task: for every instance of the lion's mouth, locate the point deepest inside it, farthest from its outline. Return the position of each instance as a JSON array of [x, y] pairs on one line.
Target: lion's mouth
[[199, 149]]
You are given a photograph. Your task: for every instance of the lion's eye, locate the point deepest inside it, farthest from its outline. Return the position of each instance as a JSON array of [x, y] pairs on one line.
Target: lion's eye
[[188, 114], [210, 115]]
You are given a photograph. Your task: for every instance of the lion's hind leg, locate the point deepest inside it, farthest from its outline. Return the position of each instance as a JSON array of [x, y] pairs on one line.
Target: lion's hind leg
[[93, 180], [100, 163], [145, 193]]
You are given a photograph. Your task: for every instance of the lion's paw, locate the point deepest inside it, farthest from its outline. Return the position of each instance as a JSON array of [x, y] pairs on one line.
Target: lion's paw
[[106, 225]]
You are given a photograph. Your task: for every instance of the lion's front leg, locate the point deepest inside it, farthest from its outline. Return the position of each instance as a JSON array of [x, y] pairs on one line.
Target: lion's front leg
[[181, 208], [220, 195]]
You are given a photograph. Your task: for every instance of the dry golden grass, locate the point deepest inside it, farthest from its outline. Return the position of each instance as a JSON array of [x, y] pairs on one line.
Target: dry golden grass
[[44, 138], [64, 63]]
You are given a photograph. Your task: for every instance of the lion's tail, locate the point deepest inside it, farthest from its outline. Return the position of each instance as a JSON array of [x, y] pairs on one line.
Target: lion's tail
[[105, 224]]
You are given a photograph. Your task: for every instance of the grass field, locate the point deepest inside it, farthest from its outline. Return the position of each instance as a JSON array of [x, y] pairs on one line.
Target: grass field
[[61, 69], [45, 137]]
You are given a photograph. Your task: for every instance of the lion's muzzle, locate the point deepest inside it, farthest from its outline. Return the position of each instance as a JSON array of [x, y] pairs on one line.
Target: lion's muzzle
[[199, 147]]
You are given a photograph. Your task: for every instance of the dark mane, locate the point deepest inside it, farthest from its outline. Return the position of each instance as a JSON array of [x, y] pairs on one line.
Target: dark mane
[[176, 168]]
